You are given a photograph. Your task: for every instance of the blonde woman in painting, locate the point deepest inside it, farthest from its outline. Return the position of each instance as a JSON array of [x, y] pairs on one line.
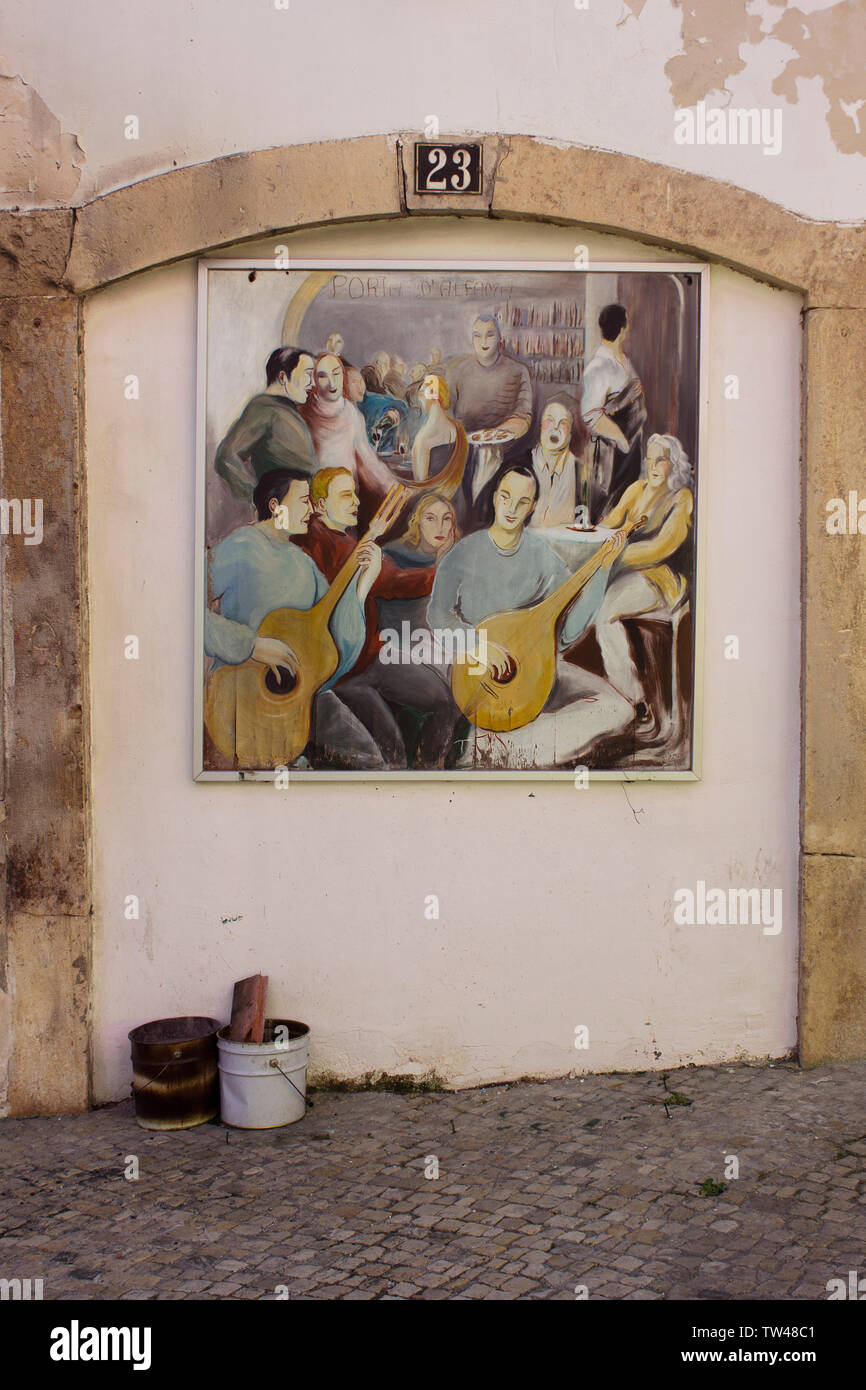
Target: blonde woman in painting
[[432, 531], [647, 578], [440, 449], [430, 534]]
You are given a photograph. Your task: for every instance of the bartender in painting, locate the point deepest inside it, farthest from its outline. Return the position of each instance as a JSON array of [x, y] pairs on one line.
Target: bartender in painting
[[490, 389], [615, 413]]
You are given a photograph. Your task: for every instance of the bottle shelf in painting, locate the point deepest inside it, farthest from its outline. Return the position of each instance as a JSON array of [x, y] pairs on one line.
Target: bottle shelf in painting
[[513, 346], [560, 345], [549, 338], [555, 314], [555, 371]]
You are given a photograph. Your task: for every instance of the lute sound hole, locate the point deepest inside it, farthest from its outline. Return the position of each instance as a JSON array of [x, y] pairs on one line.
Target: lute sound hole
[[508, 674], [282, 686]]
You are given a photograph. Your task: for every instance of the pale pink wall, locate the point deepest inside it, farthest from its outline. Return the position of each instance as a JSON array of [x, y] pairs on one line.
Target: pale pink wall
[[555, 904], [228, 75]]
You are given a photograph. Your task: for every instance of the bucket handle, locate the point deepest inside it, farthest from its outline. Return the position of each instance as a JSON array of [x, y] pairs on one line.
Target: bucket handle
[[275, 1062], [136, 1091]]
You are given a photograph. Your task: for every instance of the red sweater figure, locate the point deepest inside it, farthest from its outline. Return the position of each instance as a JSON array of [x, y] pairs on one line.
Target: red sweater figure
[[372, 690], [330, 549]]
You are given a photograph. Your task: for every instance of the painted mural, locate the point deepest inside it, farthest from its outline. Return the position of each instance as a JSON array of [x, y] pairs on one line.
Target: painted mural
[[448, 520]]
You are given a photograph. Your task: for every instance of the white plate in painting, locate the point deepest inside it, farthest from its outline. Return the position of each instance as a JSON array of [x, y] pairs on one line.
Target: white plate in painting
[[582, 533], [490, 436]]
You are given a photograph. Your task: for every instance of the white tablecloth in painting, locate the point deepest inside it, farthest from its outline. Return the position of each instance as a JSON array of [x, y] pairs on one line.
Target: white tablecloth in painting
[[574, 547]]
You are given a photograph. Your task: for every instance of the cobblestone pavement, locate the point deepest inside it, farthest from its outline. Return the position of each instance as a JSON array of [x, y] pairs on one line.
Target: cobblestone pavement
[[540, 1188]]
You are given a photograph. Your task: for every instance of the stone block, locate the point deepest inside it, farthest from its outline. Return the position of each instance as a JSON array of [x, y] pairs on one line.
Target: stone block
[[49, 961], [833, 959], [235, 198]]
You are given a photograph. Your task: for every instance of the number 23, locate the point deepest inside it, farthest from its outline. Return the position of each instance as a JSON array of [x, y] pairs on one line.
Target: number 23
[[459, 180]]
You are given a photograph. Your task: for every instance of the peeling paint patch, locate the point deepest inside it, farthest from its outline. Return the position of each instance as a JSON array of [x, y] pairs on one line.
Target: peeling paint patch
[[38, 162], [831, 45], [712, 35], [828, 44]]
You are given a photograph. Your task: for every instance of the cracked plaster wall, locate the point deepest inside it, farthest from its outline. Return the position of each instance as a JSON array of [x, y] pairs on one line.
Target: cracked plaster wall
[[215, 79]]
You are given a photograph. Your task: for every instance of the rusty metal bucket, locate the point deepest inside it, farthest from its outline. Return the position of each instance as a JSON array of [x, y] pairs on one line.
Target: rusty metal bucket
[[175, 1080]]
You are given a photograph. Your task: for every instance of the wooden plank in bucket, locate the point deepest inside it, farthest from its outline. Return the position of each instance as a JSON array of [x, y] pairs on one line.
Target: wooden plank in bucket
[[248, 1009]]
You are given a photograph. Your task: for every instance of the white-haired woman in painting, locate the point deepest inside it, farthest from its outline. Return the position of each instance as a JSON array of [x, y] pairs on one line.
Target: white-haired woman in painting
[[647, 577]]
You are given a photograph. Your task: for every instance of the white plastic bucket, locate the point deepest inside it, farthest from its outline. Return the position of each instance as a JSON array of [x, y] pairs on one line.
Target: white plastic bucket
[[264, 1085]]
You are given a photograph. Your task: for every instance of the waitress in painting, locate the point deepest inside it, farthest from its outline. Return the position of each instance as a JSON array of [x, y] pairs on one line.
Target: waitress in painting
[[441, 447], [614, 411]]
